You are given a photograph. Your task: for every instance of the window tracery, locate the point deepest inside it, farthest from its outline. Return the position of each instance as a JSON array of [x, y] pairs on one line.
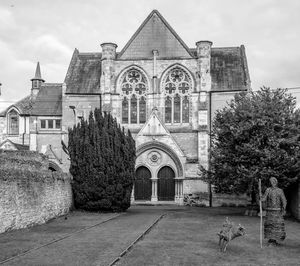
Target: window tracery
[[133, 91], [177, 86]]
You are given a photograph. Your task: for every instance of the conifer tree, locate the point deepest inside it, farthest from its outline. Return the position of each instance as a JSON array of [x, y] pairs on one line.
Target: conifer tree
[[102, 163], [256, 136]]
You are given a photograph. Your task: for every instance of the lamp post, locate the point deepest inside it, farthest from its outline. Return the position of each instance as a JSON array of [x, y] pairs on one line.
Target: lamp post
[[0, 88]]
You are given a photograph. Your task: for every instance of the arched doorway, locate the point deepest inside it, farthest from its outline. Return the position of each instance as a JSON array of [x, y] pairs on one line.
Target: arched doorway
[[166, 184], [142, 185]]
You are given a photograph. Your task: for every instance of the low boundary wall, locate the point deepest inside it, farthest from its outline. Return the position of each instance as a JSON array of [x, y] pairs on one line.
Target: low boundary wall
[[30, 193]]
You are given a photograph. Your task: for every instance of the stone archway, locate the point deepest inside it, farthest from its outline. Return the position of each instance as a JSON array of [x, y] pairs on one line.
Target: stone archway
[[166, 171]]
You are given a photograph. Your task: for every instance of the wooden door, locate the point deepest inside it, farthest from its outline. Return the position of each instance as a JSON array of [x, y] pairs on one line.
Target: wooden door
[[166, 184], [142, 185]]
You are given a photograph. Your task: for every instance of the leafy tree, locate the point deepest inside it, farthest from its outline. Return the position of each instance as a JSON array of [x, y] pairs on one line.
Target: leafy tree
[[102, 163], [255, 136]]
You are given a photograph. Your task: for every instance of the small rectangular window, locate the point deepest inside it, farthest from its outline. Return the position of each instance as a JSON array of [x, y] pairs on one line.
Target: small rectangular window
[[57, 123], [43, 123], [50, 123]]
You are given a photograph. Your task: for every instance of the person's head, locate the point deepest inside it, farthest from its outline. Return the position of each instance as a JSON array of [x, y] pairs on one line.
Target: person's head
[[273, 181]]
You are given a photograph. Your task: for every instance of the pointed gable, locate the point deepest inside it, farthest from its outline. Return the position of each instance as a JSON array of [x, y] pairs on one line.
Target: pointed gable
[[155, 34], [153, 127]]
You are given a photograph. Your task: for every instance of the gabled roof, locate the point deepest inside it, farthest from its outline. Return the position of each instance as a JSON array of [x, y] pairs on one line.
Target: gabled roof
[[155, 33], [24, 106], [84, 73], [14, 146], [48, 100]]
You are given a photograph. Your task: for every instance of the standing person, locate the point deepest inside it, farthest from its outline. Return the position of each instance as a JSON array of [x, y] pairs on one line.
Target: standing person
[[275, 209]]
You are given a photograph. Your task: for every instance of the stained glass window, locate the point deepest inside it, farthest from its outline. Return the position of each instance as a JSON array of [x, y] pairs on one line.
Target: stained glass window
[[177, 109], [177, 85], [133, 90], [168, 110], [133, 110], [185, 110], [125, 111], [142, 110]]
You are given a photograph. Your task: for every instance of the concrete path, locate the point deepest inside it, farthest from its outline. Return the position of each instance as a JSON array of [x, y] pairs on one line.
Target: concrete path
[[82, 239]]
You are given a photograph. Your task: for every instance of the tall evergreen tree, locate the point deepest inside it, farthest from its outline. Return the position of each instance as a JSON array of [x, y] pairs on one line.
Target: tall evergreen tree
[[102, 163], [256, 136]]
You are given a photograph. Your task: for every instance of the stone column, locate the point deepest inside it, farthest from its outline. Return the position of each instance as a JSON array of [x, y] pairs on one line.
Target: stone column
[[132, 195], [179, 191], [154, 189]]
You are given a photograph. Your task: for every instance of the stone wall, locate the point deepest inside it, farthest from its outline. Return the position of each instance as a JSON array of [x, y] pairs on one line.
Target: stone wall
[[30, 193]]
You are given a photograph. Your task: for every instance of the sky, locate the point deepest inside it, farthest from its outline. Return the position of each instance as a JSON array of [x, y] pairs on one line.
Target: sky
[[49, 31]]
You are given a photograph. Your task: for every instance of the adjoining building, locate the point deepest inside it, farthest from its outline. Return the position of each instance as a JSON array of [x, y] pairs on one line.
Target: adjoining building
[[162, 90]]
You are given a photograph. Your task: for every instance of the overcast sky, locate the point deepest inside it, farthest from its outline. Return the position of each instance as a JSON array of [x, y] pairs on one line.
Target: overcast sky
[[48, 31]]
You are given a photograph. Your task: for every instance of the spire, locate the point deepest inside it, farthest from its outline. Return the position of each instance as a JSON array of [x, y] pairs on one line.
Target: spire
[[37, 81], [38, 75]]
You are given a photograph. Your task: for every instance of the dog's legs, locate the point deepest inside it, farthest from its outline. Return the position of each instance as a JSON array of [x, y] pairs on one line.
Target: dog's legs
[[225, 246]]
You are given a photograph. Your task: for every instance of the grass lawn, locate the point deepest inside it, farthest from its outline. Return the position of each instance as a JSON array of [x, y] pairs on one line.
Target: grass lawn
[[188, 237]]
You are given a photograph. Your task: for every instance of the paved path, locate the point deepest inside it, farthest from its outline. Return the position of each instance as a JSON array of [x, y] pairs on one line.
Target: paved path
[[82, 239]]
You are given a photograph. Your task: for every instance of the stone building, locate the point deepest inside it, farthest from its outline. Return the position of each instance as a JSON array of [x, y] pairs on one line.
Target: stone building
[[162, 90]]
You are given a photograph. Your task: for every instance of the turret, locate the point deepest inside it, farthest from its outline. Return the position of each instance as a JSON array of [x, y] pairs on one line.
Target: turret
[[108, 74], [204, 56], [37, 81]]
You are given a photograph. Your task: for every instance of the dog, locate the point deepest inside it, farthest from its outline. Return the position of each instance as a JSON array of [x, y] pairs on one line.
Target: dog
[[228, 233]]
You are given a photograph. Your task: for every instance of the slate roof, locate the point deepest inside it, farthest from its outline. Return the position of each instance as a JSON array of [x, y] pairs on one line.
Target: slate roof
[[84, 72], [48, 101], [24, 106], [155, 33], [229, 68]]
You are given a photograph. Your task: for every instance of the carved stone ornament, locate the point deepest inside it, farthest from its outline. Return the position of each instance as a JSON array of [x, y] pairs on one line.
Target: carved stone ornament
[[154, 158]]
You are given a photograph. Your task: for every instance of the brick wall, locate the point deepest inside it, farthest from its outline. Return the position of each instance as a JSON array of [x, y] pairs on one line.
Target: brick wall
[[30, 193]]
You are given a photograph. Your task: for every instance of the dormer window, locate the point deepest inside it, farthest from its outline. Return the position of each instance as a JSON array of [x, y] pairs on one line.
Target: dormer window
[[13, 122]]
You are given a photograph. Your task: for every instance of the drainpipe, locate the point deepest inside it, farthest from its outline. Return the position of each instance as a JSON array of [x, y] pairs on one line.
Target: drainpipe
[[24, 132]]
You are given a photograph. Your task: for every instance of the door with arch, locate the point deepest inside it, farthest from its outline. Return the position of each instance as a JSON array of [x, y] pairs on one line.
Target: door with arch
[[166, 184], [142, 184]]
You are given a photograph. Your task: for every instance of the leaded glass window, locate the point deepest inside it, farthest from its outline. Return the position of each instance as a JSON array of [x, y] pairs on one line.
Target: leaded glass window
[[133, 85], [177, 85]]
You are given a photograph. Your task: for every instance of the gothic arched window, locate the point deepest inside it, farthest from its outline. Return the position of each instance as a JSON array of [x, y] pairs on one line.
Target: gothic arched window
[[133, 89], [177, 85], [13, 122]]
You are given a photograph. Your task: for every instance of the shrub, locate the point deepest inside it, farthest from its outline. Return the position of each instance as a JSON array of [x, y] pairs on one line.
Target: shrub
[[102, 163]]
